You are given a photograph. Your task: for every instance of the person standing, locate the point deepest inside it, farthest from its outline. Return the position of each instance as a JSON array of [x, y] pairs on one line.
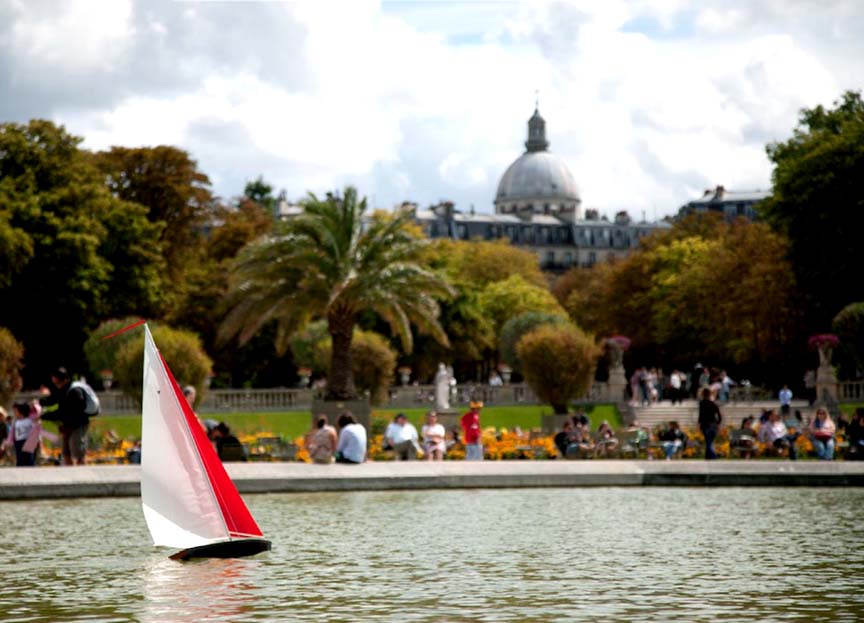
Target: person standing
[[709, 422], [321, 441], [71, 413], [471, 432], [351, 447], [785, 397], [24, 433], [675, 386]]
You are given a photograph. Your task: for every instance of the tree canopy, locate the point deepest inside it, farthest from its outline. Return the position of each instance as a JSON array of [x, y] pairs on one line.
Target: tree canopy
[[71, 249], [326, 263], [817, 198]]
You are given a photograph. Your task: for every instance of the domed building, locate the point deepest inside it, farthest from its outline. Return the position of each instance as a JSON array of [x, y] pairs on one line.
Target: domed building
[[538, 182], [538, 206]]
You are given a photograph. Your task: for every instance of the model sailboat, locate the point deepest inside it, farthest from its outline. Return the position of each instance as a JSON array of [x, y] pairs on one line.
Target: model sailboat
[[189, 500]]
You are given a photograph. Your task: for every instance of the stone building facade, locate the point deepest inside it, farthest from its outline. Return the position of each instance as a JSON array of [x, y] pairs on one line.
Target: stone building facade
[[538, 206]]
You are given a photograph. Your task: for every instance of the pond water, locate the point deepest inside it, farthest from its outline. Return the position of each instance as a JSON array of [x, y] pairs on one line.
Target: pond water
[[641, 554]]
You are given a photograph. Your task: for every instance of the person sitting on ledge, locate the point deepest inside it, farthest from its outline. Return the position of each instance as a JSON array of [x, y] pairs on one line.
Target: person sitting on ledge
[[747, 438], [402, 437], [562, 438], [822, 431], [855, 436], [775, 433], [228, 447], [672, 440], [606, 440], [579, 444], [352, 440]]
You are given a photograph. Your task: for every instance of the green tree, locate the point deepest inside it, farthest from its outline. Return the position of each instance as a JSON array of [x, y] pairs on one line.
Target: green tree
[[477, 263], [11, 363], [78, 254], [261, 193], [327, 263], [181, 350], [558, 362], [503, 300], [849, 327], [516, 327], [167, 182], [817, 197]]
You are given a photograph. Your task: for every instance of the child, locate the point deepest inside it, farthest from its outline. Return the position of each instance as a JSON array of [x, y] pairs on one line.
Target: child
[[24, 433]]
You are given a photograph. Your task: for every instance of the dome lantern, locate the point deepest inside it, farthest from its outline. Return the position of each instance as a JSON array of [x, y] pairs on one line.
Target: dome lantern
[[536, 133]]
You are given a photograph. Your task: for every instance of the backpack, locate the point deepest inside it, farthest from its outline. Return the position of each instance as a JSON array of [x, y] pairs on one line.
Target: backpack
[[91, 406]]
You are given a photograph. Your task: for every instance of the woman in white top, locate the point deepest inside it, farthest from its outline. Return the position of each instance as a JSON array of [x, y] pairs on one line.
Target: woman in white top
[[433, 438]]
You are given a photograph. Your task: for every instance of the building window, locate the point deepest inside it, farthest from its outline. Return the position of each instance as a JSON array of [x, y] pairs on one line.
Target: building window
[[528, 234], [592, 258], [550, 258], [462, 232], [545, 208], [568, 258]]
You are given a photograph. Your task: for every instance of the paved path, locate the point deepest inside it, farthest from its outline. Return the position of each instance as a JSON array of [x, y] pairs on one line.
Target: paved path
[[124, 480]]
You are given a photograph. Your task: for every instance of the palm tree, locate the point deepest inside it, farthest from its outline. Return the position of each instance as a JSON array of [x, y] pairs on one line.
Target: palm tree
[[331, 263]]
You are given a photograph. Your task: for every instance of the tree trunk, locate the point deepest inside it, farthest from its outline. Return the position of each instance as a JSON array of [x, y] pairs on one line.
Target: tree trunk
[[340, 381]]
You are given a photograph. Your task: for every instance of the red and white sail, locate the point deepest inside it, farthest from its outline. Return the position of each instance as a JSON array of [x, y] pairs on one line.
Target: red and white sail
[[188, 498]]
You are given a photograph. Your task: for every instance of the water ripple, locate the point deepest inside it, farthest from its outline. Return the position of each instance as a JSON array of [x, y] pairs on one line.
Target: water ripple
[[492, 555]]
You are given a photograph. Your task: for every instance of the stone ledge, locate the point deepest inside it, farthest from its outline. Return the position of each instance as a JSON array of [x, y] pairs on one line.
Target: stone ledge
[[124, 480]]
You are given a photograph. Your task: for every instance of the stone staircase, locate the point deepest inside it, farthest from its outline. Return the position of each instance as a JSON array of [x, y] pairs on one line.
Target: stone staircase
[[687, 413]]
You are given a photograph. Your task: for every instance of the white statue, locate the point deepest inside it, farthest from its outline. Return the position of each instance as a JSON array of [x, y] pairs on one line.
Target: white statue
[[443, 381]]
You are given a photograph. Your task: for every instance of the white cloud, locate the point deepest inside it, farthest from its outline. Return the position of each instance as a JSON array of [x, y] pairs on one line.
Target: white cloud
[[645, 100]]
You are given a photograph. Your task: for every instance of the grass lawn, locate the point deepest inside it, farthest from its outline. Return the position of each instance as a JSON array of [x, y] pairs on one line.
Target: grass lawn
[[293, 424]]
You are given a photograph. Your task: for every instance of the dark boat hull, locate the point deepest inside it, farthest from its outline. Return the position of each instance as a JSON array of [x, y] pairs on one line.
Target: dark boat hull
[[226, 549]]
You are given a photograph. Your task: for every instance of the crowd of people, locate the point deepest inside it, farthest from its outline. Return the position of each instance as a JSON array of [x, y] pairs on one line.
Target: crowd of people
[[775, 432], [651, 385], [348, 441]]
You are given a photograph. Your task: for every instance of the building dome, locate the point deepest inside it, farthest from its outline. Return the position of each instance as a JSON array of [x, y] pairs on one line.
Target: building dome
[[537, 178], [537, 175]]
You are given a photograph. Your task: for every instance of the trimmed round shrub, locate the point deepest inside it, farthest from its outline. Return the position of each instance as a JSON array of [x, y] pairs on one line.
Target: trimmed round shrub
[[101, 353], [182, 352], [516, 327], [558, 362]]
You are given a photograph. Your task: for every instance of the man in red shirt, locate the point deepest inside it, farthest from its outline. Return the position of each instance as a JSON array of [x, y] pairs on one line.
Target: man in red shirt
[[471, 432]]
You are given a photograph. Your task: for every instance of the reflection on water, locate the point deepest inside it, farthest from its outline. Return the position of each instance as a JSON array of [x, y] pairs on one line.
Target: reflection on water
[[643, 554]]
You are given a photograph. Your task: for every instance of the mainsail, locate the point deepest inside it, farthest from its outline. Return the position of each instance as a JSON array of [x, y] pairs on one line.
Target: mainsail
[[189, 500]]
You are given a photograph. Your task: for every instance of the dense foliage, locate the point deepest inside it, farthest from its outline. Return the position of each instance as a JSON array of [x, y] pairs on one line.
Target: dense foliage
[[327, 263], [11, 356], [848, 325], [136, 232], [516, 327], [817, 199], [558, 361], [182, 351]]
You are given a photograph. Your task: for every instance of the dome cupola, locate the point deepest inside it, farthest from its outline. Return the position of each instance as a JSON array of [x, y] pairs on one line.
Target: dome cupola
[[538, 182]]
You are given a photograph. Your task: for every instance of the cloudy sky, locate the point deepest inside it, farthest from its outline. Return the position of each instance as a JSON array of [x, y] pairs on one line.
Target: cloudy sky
[[648, 101]]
